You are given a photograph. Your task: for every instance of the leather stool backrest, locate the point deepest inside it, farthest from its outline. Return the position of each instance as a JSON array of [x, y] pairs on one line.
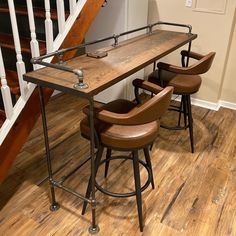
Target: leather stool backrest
[[150, 111], [203, 65], [200, 67]]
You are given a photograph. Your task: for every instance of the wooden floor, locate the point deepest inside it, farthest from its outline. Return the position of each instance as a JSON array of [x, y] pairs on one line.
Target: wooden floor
[[194, 195]]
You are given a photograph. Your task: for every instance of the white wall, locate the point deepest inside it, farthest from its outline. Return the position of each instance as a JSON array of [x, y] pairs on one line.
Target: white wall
[[112, 19], [118, 16], [137, 11], [228, 93]]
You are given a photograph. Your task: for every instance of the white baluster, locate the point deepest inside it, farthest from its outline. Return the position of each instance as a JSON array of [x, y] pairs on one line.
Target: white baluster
[[34, 45], [69, 23], [61, 15], [72, 6], [6, 95], [48, 27], [20, 65]]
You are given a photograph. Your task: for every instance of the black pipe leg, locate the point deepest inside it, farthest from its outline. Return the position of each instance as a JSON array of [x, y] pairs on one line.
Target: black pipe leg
[[148, 161], [54, 205], [87, 195], [89, 188], [190, 122], [108, 155], [138, 189]]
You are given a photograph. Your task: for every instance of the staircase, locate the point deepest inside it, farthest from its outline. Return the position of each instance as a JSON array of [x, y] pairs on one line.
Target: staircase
[[32, 28]]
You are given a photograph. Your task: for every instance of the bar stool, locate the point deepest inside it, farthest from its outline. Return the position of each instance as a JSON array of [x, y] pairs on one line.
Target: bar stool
[[126, 126], [186, 81]]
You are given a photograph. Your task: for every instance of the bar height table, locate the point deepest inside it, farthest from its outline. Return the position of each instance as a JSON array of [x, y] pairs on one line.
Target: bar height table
[[122, 60]]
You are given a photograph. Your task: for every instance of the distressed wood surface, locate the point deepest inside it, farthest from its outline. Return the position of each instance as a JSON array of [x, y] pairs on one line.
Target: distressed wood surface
[[123, 60], [194, 194]]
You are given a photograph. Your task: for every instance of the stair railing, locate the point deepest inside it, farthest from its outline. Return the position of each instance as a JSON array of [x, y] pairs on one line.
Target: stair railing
[[65, 25], [34, 45], [6, 94], [53, 42], [20, 65], [48, 27]]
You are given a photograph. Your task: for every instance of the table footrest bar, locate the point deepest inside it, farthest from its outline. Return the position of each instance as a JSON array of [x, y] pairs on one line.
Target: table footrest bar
[[130, 194], [59, 185]]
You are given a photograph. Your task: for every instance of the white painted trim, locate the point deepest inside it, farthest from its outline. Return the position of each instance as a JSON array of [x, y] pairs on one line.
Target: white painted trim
[[226, 104], [68, 24], [8, 123], [29, 87], [61, 16], [208, 10], [209, 105], [202, 103]]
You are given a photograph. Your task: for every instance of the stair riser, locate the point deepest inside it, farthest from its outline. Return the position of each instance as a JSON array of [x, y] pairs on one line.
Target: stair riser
[[23, 26], [38, 3], [10, 59]]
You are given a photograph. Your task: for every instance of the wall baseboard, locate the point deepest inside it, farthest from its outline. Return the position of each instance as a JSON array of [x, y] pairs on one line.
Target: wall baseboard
[[209, 105], [226, 104], [215, 106]]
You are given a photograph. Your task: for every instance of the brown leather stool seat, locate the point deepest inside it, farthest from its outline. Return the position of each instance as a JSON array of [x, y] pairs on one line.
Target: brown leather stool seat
[[127, 126], [183, 84], [186, 81], [120, 136]]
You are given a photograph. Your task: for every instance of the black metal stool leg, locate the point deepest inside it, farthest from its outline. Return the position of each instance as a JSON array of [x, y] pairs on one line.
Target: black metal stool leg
[[89, 188], [185, 111], [151, 146], [180, 110], [108, 155], [138, 188], [148, 161], [190, 122]]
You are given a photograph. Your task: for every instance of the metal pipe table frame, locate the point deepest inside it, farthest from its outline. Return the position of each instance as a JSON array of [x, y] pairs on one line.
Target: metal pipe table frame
[[78, 89]]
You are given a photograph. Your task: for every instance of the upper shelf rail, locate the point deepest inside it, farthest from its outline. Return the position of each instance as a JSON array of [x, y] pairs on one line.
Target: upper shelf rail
[[115, 37]]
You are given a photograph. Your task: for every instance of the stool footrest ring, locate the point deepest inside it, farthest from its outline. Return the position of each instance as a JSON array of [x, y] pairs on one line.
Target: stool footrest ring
[[130, 194], [174, 127]]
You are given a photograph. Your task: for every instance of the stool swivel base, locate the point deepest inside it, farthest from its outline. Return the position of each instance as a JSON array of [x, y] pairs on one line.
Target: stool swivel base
[[138, 187]]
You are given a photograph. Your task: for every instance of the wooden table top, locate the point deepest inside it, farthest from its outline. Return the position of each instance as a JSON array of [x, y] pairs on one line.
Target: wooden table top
[[123, 60]]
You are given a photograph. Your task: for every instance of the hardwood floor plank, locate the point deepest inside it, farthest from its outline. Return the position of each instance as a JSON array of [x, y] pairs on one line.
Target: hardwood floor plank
[[194, 194], [206, 187]]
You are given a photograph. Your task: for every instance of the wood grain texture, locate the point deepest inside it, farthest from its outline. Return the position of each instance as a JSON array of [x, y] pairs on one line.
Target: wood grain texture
[[31, 112], [194, 194], [123, 60]]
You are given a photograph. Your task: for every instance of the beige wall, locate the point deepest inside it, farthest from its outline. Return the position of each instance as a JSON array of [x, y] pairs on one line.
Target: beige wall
[[214, 34], [228, 93]]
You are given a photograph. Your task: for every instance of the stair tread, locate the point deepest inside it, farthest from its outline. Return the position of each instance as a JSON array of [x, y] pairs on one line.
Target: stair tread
[[6, 41], [38, 12]]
